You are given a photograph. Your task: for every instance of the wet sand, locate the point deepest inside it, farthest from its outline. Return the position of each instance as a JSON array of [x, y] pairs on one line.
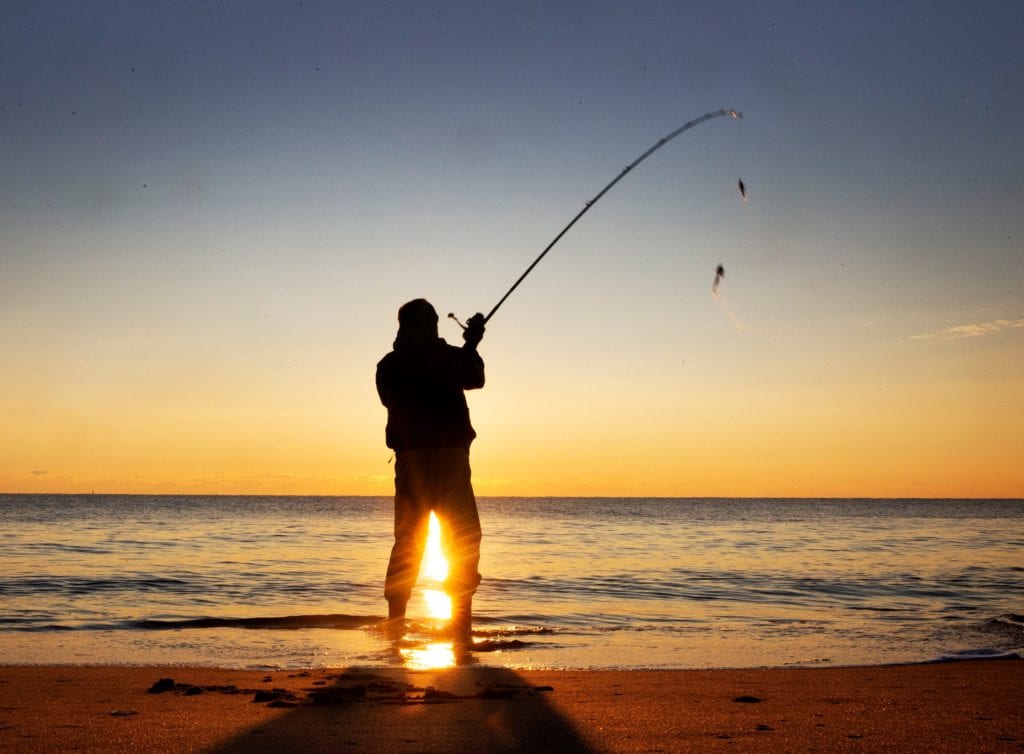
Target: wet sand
[[954, 707]]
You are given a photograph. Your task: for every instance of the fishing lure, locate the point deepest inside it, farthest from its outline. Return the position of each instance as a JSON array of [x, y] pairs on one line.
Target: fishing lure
[[719, 273]]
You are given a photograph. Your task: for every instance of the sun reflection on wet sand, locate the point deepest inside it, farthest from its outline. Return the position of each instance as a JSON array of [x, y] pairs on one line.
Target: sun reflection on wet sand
[[433, 656]]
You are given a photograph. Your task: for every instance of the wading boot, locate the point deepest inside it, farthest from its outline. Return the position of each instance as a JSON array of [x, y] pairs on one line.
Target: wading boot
[[396, 609], [462, 619], [394, 626]]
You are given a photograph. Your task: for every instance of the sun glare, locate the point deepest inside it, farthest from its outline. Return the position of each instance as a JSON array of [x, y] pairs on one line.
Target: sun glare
[[430, 657], [435, 570]]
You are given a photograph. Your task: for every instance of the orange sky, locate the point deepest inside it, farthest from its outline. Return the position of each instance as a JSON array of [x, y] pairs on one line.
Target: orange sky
[[686, 429]]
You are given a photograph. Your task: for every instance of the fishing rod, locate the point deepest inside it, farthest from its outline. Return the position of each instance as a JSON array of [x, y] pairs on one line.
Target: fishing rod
[[586, 207]]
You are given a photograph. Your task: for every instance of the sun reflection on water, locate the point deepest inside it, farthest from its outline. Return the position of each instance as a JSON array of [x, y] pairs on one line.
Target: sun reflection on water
[[432, 655], [435, 570], [439, 604]]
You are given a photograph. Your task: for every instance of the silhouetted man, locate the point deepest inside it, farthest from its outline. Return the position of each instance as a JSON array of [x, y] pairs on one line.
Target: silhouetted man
[[421, 382]]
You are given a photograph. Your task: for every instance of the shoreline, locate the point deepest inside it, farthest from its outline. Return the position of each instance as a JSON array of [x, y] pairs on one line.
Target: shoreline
[[943, 706], [967, 657]]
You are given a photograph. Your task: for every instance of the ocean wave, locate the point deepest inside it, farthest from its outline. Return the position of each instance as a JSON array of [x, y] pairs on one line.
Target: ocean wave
[[79, 585], [891, 592], [336, 620], [510, 631], [241, 586], [1009, 626]]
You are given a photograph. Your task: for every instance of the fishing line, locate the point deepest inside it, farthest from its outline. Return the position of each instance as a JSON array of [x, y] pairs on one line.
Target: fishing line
[[733, 114]]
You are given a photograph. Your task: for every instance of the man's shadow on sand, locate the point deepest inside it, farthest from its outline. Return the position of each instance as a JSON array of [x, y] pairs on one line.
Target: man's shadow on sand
[[461, 710]]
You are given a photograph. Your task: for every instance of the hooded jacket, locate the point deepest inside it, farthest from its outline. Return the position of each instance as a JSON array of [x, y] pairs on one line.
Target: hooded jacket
[[421, 382]]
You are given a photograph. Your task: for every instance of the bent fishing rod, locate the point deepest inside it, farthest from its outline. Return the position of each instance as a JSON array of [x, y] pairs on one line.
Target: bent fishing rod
[[735, 114]]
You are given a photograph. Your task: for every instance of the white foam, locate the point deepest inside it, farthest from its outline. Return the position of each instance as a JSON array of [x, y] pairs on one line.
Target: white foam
[[978, 654]]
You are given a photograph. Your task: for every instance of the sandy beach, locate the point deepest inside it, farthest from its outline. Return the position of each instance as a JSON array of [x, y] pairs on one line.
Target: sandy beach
[[972, 706]]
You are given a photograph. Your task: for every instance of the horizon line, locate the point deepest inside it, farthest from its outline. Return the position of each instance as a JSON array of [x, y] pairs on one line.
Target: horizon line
[[519, 497]]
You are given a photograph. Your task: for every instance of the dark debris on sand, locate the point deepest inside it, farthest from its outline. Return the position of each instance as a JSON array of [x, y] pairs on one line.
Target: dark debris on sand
[[188, 689], [367, 687], [273, 695], [160, 686]]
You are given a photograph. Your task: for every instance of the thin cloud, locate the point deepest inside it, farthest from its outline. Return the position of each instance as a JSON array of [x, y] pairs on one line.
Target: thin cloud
[[972, 330]]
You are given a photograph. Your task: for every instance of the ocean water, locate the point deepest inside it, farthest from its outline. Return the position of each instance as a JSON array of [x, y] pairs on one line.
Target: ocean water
[[288, 582]]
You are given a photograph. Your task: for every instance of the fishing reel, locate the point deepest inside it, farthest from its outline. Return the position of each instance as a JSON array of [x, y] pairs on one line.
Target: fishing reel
[[477, 321], [473, 329]]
